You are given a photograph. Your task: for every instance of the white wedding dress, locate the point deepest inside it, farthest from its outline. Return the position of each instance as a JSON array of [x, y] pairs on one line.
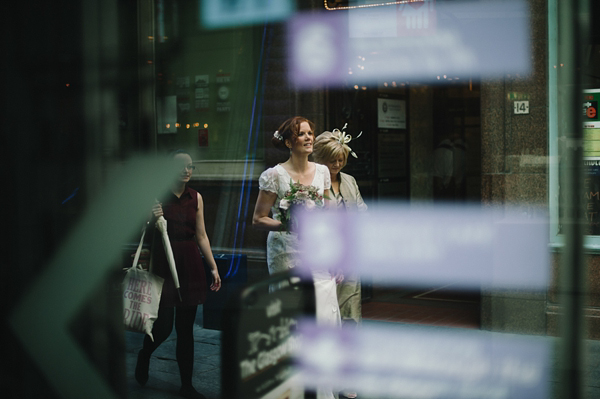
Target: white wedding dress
[[283, 248]]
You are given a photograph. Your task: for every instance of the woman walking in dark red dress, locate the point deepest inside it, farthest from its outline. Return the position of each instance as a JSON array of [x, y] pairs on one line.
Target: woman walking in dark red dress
[[184, 212]]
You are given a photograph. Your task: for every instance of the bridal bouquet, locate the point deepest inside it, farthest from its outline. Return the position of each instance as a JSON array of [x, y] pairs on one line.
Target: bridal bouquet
[[298, 194]]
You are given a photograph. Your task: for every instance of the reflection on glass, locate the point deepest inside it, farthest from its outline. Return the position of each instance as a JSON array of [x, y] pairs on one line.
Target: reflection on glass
[[464, 105]]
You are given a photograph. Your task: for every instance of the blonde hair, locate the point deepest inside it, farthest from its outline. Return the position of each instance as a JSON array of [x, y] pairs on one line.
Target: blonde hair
[[327, 148]]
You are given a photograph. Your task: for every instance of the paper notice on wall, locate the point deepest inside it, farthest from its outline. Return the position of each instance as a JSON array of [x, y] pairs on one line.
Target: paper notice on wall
[[391, 113]]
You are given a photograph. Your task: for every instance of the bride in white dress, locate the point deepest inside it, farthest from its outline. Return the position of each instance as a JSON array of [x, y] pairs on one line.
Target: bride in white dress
[[295, 135]]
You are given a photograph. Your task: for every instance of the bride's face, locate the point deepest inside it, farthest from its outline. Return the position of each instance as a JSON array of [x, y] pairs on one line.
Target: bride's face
[[303, 143]]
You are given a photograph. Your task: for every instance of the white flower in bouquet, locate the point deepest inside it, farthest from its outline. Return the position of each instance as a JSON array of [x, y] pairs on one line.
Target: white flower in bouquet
[[284, 204], [298, 195], [301, 196]]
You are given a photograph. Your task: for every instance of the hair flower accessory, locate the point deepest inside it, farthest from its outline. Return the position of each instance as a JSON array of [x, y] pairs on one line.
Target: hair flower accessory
[[277, 135], [345, 138]]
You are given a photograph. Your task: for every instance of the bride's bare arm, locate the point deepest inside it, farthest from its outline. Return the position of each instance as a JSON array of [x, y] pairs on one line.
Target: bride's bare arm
[[261, 219]]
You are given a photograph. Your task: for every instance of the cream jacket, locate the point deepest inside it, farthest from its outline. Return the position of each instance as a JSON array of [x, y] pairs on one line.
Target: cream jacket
[[349, 190]]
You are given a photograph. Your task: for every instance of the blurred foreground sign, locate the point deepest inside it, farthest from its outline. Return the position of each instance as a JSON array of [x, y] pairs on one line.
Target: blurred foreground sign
[[470, 246], [424, 42], [418, 362], [57, 295], [226, 13], [260, 337]]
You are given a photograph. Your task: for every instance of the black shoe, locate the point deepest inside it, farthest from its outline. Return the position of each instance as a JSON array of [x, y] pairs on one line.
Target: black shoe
[[141, 368], [189, 392]]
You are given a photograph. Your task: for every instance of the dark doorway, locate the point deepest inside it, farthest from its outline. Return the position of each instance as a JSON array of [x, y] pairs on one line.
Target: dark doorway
[[383, 173]]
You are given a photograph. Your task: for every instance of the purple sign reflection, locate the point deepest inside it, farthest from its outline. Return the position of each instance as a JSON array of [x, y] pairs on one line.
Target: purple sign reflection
[[418, 362], [469, 246]]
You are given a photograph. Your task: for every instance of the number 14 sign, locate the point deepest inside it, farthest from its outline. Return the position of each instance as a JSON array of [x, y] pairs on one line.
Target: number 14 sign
[[521, 107]]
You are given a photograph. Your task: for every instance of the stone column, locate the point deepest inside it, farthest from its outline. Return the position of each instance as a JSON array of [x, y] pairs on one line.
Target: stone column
[[421, 143], [514, 152]]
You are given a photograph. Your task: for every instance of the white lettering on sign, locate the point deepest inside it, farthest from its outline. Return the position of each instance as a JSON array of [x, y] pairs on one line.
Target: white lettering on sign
[[268, 349], [274, 308], [275, 333]]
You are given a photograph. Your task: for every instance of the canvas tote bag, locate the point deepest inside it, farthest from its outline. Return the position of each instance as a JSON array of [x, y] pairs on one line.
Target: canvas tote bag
[[141, 296]]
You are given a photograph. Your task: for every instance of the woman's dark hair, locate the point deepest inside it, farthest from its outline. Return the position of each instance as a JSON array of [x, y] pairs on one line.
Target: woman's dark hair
[[289, 131]]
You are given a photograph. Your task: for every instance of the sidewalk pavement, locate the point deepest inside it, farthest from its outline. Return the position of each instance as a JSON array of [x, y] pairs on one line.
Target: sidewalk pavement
[[164, 380]]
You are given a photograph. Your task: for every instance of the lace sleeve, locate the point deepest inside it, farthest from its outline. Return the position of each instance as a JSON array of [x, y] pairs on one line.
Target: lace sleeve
[[268, 181], [327, 184]]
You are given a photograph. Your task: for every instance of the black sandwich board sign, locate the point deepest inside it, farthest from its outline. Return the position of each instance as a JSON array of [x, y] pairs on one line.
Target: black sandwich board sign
[[259, 337]]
